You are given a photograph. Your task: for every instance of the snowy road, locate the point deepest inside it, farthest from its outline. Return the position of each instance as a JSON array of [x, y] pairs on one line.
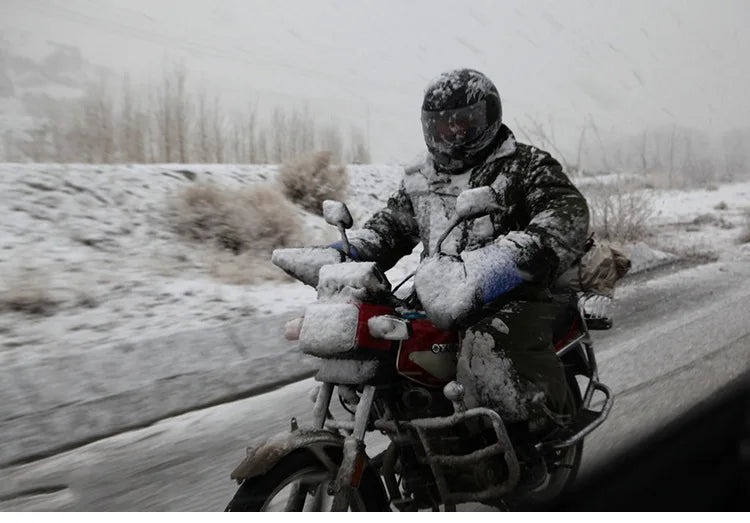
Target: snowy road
[[679, 338]]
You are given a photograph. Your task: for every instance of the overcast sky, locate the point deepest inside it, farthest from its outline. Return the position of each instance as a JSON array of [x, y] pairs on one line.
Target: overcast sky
[[627, 63]]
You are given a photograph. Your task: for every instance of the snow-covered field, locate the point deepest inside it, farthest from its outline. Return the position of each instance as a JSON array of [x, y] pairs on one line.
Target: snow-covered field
[[701, 222], [137, 323], [97, 244], [94, 245]]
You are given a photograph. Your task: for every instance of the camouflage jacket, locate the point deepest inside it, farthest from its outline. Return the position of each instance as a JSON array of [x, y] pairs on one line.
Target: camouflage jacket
[[544, 221]]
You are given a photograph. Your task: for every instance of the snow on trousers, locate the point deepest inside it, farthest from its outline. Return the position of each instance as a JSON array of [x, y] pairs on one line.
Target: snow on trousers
[[508, 356]]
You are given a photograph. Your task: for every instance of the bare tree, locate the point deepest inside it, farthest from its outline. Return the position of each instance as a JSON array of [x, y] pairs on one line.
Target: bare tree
[[330, 140], [131, 127], [250, 138], [644, 161], [359, 152], [239, 142], [218, 125], [735, 145], [308, 131], [262, 148], [181, 111], [671, 156], [202, 127], [278, 149], [164, 123], [602, 149], [93, 136], [537, 133], [164, 117]]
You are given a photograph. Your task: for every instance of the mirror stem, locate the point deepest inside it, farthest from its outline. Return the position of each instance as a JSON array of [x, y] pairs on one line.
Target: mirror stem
[[345, 241]]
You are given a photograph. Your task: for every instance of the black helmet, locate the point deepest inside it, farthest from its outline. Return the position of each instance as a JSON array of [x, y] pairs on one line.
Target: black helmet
[[461, 119]]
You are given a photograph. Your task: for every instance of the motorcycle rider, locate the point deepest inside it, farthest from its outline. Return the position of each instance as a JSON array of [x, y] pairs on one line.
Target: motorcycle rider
[[493, 280]]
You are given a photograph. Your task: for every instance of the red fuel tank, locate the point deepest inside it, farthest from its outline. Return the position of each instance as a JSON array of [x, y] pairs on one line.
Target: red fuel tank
[[429, 356]]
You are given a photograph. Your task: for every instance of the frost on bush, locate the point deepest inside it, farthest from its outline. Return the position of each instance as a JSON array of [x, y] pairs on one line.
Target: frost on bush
[[256, 219], [619, 212], [745, 235], [312, 180], [28, 295]]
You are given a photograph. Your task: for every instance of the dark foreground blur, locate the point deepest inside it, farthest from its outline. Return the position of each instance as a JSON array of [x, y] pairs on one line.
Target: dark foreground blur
[[701, 462]]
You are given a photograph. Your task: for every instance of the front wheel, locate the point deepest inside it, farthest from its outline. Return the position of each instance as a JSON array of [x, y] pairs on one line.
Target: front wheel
[[300, 483]]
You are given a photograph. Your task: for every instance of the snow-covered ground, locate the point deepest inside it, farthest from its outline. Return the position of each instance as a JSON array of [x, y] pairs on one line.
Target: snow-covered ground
[[97, 242], [134, 312], [701, 221]]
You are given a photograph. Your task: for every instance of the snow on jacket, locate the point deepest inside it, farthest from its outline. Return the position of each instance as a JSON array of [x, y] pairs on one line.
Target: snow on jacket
[[543, 224]]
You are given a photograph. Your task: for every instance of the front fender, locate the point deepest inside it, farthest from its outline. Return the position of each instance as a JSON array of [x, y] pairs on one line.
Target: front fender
[[260, 460]]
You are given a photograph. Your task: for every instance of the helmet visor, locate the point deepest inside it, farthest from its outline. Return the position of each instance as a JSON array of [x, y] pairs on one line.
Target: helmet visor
[[454, 126]]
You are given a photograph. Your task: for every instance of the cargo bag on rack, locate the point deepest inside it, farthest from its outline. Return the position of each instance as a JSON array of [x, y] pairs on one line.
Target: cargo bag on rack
[[597, 272], [594, 278]]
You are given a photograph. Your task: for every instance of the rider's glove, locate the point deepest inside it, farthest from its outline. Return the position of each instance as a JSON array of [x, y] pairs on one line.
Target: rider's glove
[[339, 246], [451, 288]]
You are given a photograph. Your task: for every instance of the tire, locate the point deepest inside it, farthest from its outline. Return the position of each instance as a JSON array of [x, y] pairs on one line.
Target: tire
[[564, 475], [257, 494]]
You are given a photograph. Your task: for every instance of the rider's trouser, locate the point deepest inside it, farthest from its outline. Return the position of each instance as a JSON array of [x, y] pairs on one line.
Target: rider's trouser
[[507, 358]]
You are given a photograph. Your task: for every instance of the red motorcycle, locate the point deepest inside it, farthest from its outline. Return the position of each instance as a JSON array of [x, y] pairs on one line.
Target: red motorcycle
[[394, 374]]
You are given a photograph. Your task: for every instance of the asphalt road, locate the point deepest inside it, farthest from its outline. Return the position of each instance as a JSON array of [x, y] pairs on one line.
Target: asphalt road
[[679, 338]]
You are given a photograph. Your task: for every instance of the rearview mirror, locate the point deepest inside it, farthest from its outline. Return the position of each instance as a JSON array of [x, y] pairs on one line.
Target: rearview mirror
[[474, 203], [337, 214]]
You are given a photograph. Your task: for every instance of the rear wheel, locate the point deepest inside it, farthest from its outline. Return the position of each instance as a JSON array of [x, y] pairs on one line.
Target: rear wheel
[[300, 483]]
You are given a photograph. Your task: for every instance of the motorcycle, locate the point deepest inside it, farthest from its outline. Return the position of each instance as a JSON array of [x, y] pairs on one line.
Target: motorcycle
[[394, 374]]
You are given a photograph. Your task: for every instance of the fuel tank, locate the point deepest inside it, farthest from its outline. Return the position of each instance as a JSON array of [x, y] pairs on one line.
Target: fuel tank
[[429, 357]]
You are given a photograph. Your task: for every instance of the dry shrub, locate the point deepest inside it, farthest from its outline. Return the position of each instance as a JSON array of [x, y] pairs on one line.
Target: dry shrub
[[705, 219], [29, 295], [312, 179], [619, 213], [256, 219], [721, 206], [745, 235]]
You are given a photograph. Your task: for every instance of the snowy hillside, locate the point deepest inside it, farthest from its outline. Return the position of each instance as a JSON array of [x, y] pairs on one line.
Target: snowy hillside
[[36, 81], [94, 247]]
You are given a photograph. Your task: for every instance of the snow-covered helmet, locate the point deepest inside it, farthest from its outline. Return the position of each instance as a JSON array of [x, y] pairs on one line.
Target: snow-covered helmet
[[461, 119]]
